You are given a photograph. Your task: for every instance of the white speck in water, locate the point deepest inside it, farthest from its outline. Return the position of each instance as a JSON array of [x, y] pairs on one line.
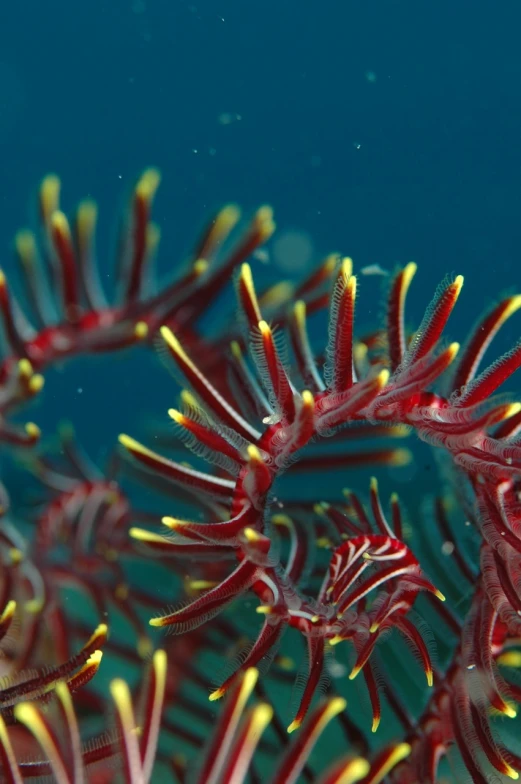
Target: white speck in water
[[227, 118], [373, 269]]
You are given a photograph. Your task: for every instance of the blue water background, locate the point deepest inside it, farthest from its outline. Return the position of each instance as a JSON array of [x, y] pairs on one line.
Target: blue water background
[[387, 131]]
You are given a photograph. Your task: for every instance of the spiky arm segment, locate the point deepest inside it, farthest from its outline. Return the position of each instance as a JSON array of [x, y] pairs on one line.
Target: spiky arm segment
[[70, 312], [367, 563]]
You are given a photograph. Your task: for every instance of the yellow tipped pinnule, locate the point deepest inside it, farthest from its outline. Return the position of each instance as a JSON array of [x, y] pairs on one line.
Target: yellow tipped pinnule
[[299, 312], [400, 457], [153, 238], [25, 369], [200, 266], [33, 431], [35, 605], [335, 640], [148, 184], [375, 724], [134, 446], [324, 543], [354, 672], [177, 416], [25, 245], [36, 383], [87, 213], [140, 330], [354, 770], [335, 706], [330, 264], [295, 725], [307, 399], [247, 279], [509, 711], [439, 595], [286, 663], [201, 585], [62, 690], [160, 660], [282, 520], [86, 218], [218, 232], [121, 591], [262, 714], [399, 753], [251, 535], [409, 271], [430, 678], [264, 609], [347, 268], [60, 223], [226, 219], [144, 647], [511, 410], [2, 279], [251, 676], [332, 708], [173, 343], [102, 630], [49, 196], [236, 350], [264, 328], [383, 377], [267, 228], [121, 695], [217, 694], [513, 305], [510, 659], [453, 350], [9, 611], [15, 556], [27, 713], [278, 295], [157, 622], [458, 283], [264, 214], [189, 399], [360, 352], [143, 535], [173, 523], [254, 454]]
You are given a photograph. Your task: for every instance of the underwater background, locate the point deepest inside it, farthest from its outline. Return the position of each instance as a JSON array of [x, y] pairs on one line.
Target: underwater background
[[388, 131]]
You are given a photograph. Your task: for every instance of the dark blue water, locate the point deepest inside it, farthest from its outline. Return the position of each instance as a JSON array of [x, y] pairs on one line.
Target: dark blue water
[[389, 131]]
